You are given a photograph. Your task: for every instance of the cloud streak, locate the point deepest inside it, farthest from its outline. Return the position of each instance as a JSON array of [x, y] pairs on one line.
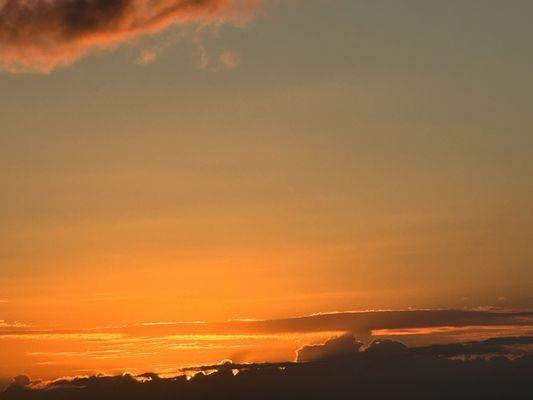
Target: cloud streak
[[361, 323], [40, 35], [15, 325]]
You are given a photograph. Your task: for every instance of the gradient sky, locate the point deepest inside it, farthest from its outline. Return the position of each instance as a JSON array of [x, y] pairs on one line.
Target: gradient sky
[[322, 155]]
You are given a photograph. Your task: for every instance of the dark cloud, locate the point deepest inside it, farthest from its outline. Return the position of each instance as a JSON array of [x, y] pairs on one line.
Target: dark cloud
[[21, 381], [383, 370], [338, 346], [346, 346], [384, 348], [499, 346], [39, 35]]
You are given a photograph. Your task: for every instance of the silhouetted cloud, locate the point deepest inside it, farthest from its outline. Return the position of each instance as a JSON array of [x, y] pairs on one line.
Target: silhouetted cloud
[[39, 35], [347, 346], [334, 347], [383, 348], [21, 381], [508, 346], [382, 370]]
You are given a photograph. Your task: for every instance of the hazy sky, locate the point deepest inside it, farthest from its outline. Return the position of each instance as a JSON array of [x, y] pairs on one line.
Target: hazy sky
[[314, 156]]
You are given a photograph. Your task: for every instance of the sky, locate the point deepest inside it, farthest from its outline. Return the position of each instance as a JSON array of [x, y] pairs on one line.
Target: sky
[[215, 160]]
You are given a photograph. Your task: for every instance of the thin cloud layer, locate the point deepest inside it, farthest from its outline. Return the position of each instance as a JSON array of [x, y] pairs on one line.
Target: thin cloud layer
[[360, 323], [40, 35]]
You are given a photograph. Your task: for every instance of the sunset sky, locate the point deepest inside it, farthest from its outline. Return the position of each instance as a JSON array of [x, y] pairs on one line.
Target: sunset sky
[[225, 159]]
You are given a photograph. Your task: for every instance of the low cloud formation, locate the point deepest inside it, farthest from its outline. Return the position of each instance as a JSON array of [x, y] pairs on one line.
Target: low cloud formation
[[382, 370], [346, 346], [334, 347], [505, 346], [20, 381], [40, 35]]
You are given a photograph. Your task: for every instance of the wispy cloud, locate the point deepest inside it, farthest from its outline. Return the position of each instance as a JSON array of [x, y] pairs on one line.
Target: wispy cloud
[[147, 56], [15, 324], [229, 59], [40, 35]]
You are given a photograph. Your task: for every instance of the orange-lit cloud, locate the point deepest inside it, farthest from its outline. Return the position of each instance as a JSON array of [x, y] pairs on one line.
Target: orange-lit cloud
[[147, 57], [40, 35], [230, 59], [16, 324]]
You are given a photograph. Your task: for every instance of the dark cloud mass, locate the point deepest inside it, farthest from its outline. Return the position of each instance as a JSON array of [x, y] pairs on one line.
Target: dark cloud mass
[[342, 345], [384, 369], [39, 35]]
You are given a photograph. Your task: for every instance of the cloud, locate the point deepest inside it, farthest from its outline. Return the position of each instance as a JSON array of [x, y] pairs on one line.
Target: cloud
[[385, 369], [164, 345], [229, 59], [40, 35], [360, 323], [16, 324], [334, 347], [21, 381], [507, 346], [386, 348], [147, 56], [347, 346]]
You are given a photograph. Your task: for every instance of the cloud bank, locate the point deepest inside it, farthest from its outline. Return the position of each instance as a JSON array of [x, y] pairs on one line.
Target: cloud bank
[[347, 347], [382, 370], [342, 345], [164, 347], [40, 35]]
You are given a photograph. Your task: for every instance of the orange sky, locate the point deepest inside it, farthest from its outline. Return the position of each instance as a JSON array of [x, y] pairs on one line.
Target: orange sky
[[217, 160]]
